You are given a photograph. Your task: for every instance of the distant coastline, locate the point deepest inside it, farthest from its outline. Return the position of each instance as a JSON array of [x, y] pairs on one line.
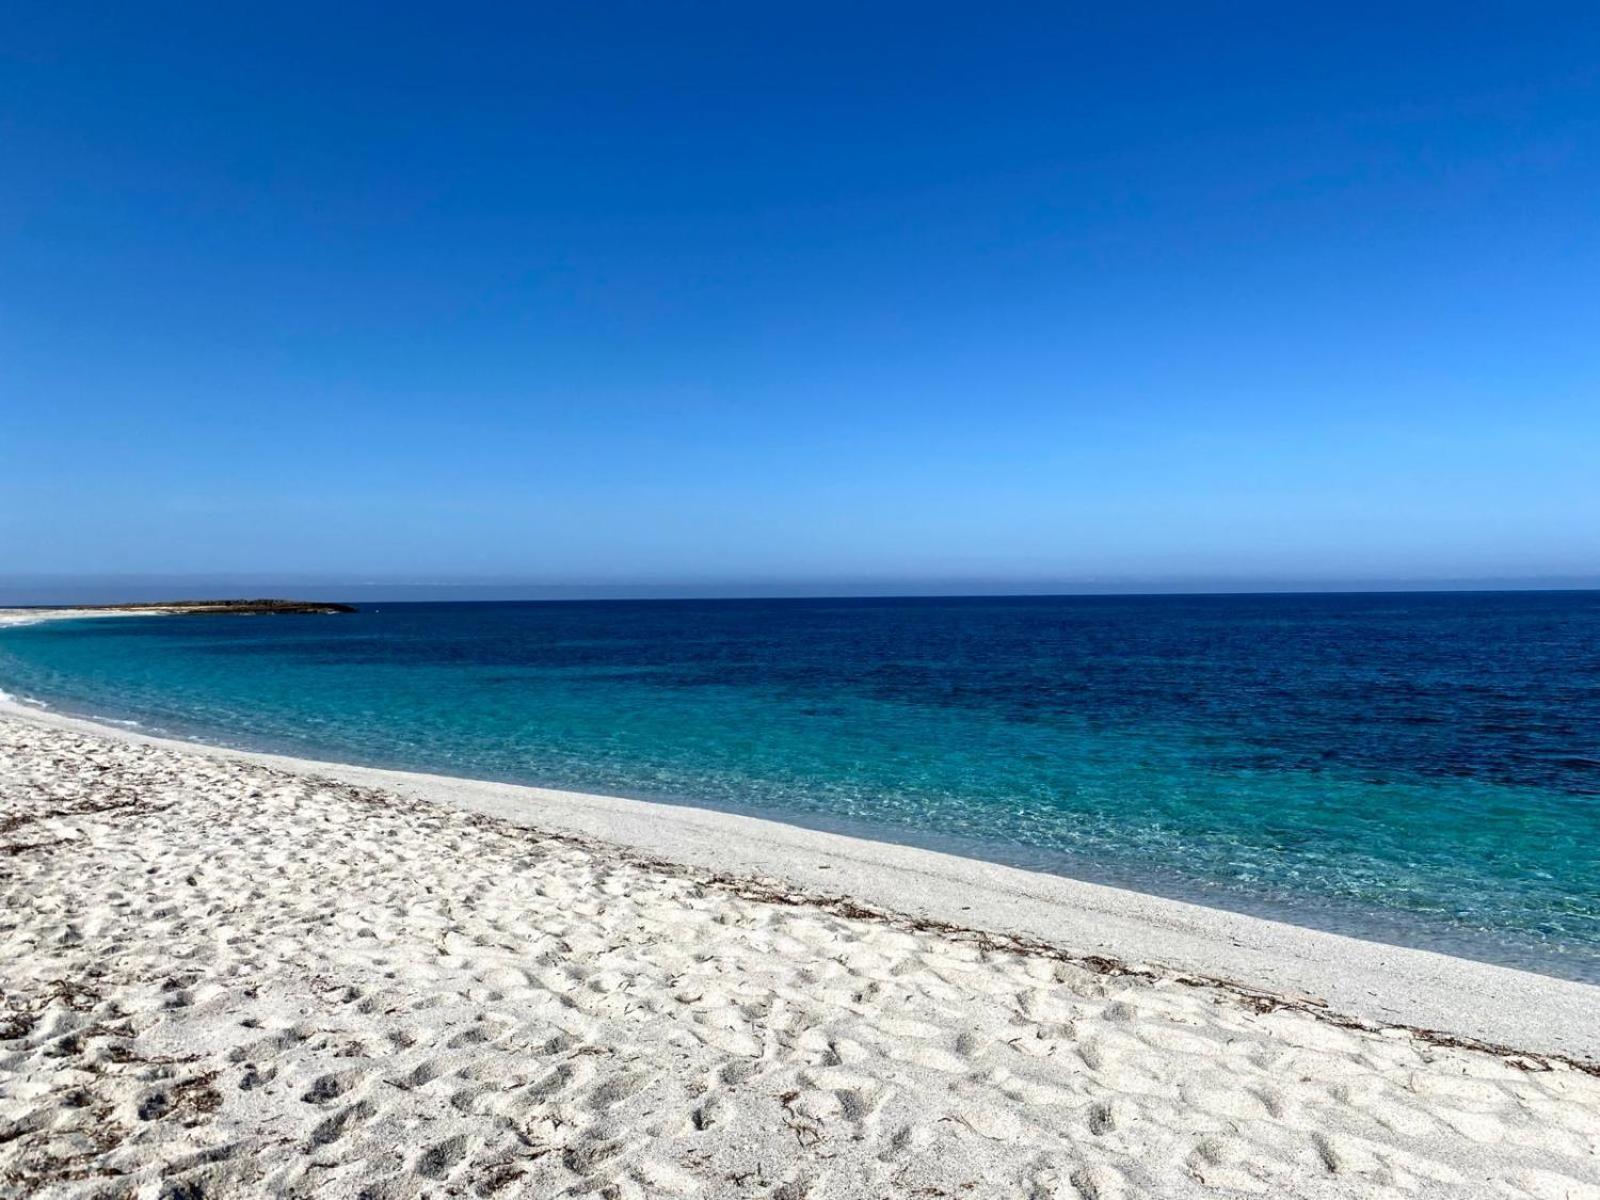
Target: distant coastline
[[206, 607]]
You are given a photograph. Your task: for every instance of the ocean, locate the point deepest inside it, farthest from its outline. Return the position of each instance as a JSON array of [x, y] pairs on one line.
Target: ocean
[[1421, 769]]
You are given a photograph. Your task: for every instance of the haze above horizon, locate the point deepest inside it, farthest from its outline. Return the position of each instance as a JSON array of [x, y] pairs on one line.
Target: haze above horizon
[[627, 296]]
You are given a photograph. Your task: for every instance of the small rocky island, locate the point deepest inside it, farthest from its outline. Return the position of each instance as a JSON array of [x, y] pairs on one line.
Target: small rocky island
[[271, 608]]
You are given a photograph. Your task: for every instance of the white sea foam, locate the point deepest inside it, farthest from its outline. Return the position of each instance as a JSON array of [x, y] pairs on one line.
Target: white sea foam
[[12, 698]]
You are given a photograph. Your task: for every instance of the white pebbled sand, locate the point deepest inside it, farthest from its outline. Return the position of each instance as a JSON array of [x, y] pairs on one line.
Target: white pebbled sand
[[233, 975]]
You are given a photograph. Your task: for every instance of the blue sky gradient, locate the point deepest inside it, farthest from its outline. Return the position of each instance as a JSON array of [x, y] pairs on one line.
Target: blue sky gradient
[[620, 294]]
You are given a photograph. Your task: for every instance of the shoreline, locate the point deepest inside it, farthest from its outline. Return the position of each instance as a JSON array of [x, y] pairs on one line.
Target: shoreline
[[1332, 976], [228, 973], [1345, 920], [1336, 917], [32, 616]]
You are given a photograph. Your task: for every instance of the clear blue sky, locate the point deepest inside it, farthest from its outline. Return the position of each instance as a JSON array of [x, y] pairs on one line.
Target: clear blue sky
[[613, 292]]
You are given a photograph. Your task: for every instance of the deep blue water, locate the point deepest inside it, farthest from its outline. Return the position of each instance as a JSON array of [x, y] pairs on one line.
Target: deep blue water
[[1419, 768]]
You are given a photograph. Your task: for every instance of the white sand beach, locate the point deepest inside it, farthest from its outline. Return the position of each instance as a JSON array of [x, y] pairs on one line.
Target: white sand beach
[[237, 975]]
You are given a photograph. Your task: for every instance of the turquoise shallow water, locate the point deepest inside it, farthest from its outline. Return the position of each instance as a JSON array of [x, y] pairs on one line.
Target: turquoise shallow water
[[1423, 769]]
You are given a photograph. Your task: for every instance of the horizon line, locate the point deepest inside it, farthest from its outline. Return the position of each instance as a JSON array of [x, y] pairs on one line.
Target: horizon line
[[66, 591]]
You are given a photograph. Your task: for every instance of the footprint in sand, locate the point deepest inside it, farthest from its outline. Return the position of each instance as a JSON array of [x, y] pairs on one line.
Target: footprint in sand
[[335, 1127]]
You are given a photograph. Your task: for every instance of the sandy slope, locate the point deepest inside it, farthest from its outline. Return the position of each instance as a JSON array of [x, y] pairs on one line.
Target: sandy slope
[[225, 979]]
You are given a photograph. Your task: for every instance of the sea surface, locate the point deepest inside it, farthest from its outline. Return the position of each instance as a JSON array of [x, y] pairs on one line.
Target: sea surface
[[1422, 769]]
